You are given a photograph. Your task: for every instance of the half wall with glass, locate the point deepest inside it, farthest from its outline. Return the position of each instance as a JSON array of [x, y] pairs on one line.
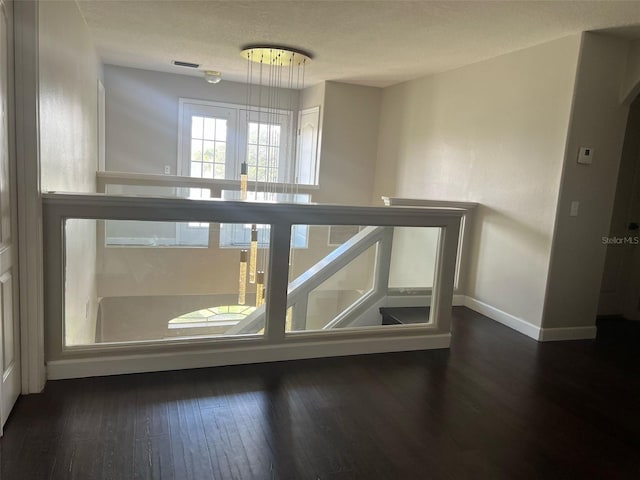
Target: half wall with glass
[[266, 281]]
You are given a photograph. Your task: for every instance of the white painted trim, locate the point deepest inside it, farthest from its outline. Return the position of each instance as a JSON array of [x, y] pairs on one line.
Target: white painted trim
[[90, 367], [527, 328], [500, 316], [28, 189], [568, 333]]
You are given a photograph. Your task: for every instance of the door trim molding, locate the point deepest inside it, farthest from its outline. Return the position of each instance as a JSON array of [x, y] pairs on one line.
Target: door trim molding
[[30, 254]]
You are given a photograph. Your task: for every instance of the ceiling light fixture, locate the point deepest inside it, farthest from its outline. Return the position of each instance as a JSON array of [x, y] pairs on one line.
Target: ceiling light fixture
[[212, 76]]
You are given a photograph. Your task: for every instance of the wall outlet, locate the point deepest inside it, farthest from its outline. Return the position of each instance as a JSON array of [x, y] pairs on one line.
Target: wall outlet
[[167, 169]]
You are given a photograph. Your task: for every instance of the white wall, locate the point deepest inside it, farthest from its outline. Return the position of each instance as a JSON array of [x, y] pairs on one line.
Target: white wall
[[69, 71], [598, 121], [494, 133]]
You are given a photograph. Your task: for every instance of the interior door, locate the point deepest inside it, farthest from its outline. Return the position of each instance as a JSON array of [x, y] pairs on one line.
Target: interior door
[[9, 328]]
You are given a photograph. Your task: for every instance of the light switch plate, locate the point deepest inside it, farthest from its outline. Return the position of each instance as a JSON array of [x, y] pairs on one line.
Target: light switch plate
[[585, 155]]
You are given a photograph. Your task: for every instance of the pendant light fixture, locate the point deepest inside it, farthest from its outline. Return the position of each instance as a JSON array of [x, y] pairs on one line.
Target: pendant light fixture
[[253, 254], [243, 181], [271, 71], [260, 289], [242, 278]]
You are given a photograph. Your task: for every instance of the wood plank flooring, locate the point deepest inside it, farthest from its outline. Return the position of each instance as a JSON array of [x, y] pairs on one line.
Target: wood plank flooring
[[497, 405]]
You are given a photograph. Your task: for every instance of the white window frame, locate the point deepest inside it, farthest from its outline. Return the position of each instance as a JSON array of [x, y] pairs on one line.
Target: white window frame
[[190, 107], [237, 133], [278, 117]]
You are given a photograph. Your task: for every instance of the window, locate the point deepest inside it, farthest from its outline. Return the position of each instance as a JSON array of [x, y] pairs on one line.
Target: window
[[215, 138], [266, 146], [263, 152], [207, 140], [223, 316], [208, 147]]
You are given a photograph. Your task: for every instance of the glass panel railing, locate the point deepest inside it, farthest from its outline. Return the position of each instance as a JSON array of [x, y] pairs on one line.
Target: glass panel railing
[[326, 280], [368, 277], [320, 241], [413, 258], [151, 293], [342, 290], [337, 279], [156, 234], [412, 270]]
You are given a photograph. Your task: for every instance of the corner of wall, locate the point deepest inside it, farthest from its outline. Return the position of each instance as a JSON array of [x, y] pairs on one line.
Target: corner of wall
[[598, 121]]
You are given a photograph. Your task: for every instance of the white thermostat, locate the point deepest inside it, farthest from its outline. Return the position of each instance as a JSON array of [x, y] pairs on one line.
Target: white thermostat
[[585, 155]]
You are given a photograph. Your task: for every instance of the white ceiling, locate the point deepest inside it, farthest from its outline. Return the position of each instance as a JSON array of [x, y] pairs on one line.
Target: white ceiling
[[375, 43]]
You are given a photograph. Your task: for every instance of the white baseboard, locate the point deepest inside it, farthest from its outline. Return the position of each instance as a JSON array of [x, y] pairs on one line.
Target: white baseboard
[[568, 333], [511, 321], [529, 329], [115, 365]]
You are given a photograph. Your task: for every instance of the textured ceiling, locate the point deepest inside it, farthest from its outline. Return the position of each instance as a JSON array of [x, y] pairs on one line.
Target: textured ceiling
[[364, 42]]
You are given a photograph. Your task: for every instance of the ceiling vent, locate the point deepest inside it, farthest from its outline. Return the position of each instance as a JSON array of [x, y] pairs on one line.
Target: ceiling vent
[[179, 63]]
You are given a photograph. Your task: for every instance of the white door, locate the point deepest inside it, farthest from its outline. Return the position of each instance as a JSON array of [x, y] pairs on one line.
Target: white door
[[9, 329]]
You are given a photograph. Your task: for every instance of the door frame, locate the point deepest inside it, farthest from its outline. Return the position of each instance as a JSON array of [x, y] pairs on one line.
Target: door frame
[[28, 190]]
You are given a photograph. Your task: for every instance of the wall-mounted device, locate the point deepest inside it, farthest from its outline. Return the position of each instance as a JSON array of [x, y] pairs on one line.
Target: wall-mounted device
[[585, 155], [575, 206]]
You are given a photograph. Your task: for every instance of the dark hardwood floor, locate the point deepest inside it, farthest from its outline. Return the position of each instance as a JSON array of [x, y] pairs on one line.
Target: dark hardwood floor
[[497, 405]]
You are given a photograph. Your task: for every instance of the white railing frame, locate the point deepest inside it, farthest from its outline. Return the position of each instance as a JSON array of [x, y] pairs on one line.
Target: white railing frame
[[216, 186], [466, 229], [64, 362], [299, 290]]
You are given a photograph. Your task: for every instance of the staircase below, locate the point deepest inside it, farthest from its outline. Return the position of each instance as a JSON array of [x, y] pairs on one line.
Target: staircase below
[[404, 315]]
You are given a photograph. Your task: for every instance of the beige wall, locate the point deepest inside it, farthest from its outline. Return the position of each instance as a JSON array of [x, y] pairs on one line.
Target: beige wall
[[598, 121], [494, 133], [312, 96], [349, 143], [69, 72]]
